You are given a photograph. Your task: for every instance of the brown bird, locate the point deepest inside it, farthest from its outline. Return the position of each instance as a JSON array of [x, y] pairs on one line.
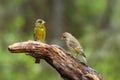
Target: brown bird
[[73, 44]]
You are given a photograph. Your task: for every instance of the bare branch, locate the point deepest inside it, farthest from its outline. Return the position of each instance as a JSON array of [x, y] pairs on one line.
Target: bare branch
[[68, 67]]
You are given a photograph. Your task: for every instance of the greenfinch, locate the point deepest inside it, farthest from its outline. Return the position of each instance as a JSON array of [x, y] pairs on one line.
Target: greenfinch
[[73, 44], [39, 33], [39, 30]]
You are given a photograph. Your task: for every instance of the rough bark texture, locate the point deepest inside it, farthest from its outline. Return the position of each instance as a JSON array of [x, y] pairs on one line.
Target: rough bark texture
[[68, 67]]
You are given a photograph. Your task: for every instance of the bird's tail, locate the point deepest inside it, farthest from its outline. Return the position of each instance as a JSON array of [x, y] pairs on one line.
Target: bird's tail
[[85, 59], [84, 56]]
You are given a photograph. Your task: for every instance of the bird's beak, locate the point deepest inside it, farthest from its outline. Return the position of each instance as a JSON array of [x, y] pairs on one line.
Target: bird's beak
[[43, 22]]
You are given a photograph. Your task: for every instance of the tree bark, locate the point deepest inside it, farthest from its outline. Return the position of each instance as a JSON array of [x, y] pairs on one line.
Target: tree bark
[[67, 66]]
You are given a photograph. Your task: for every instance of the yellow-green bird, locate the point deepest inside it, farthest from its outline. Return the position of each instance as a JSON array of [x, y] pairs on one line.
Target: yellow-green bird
[[73, 44], [39, 33], [39, 30]]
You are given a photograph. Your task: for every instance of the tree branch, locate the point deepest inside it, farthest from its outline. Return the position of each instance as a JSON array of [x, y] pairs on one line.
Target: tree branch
[[68, 67]]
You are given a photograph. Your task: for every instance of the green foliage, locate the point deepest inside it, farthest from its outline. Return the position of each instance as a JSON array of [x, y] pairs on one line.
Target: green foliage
[[82, 18]]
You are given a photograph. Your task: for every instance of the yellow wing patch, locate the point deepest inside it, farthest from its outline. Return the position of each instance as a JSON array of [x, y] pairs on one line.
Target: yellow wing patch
[[77, 50]]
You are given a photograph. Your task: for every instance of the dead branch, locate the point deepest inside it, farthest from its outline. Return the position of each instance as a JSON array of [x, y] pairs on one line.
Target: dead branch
[[68, 67]]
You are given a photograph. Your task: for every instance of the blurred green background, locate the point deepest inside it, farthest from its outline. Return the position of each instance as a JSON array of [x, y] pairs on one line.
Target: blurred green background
[[95, 23]]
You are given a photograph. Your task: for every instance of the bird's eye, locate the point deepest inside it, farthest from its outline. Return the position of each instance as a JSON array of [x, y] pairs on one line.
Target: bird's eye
[[64, 36], [39, 21]]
